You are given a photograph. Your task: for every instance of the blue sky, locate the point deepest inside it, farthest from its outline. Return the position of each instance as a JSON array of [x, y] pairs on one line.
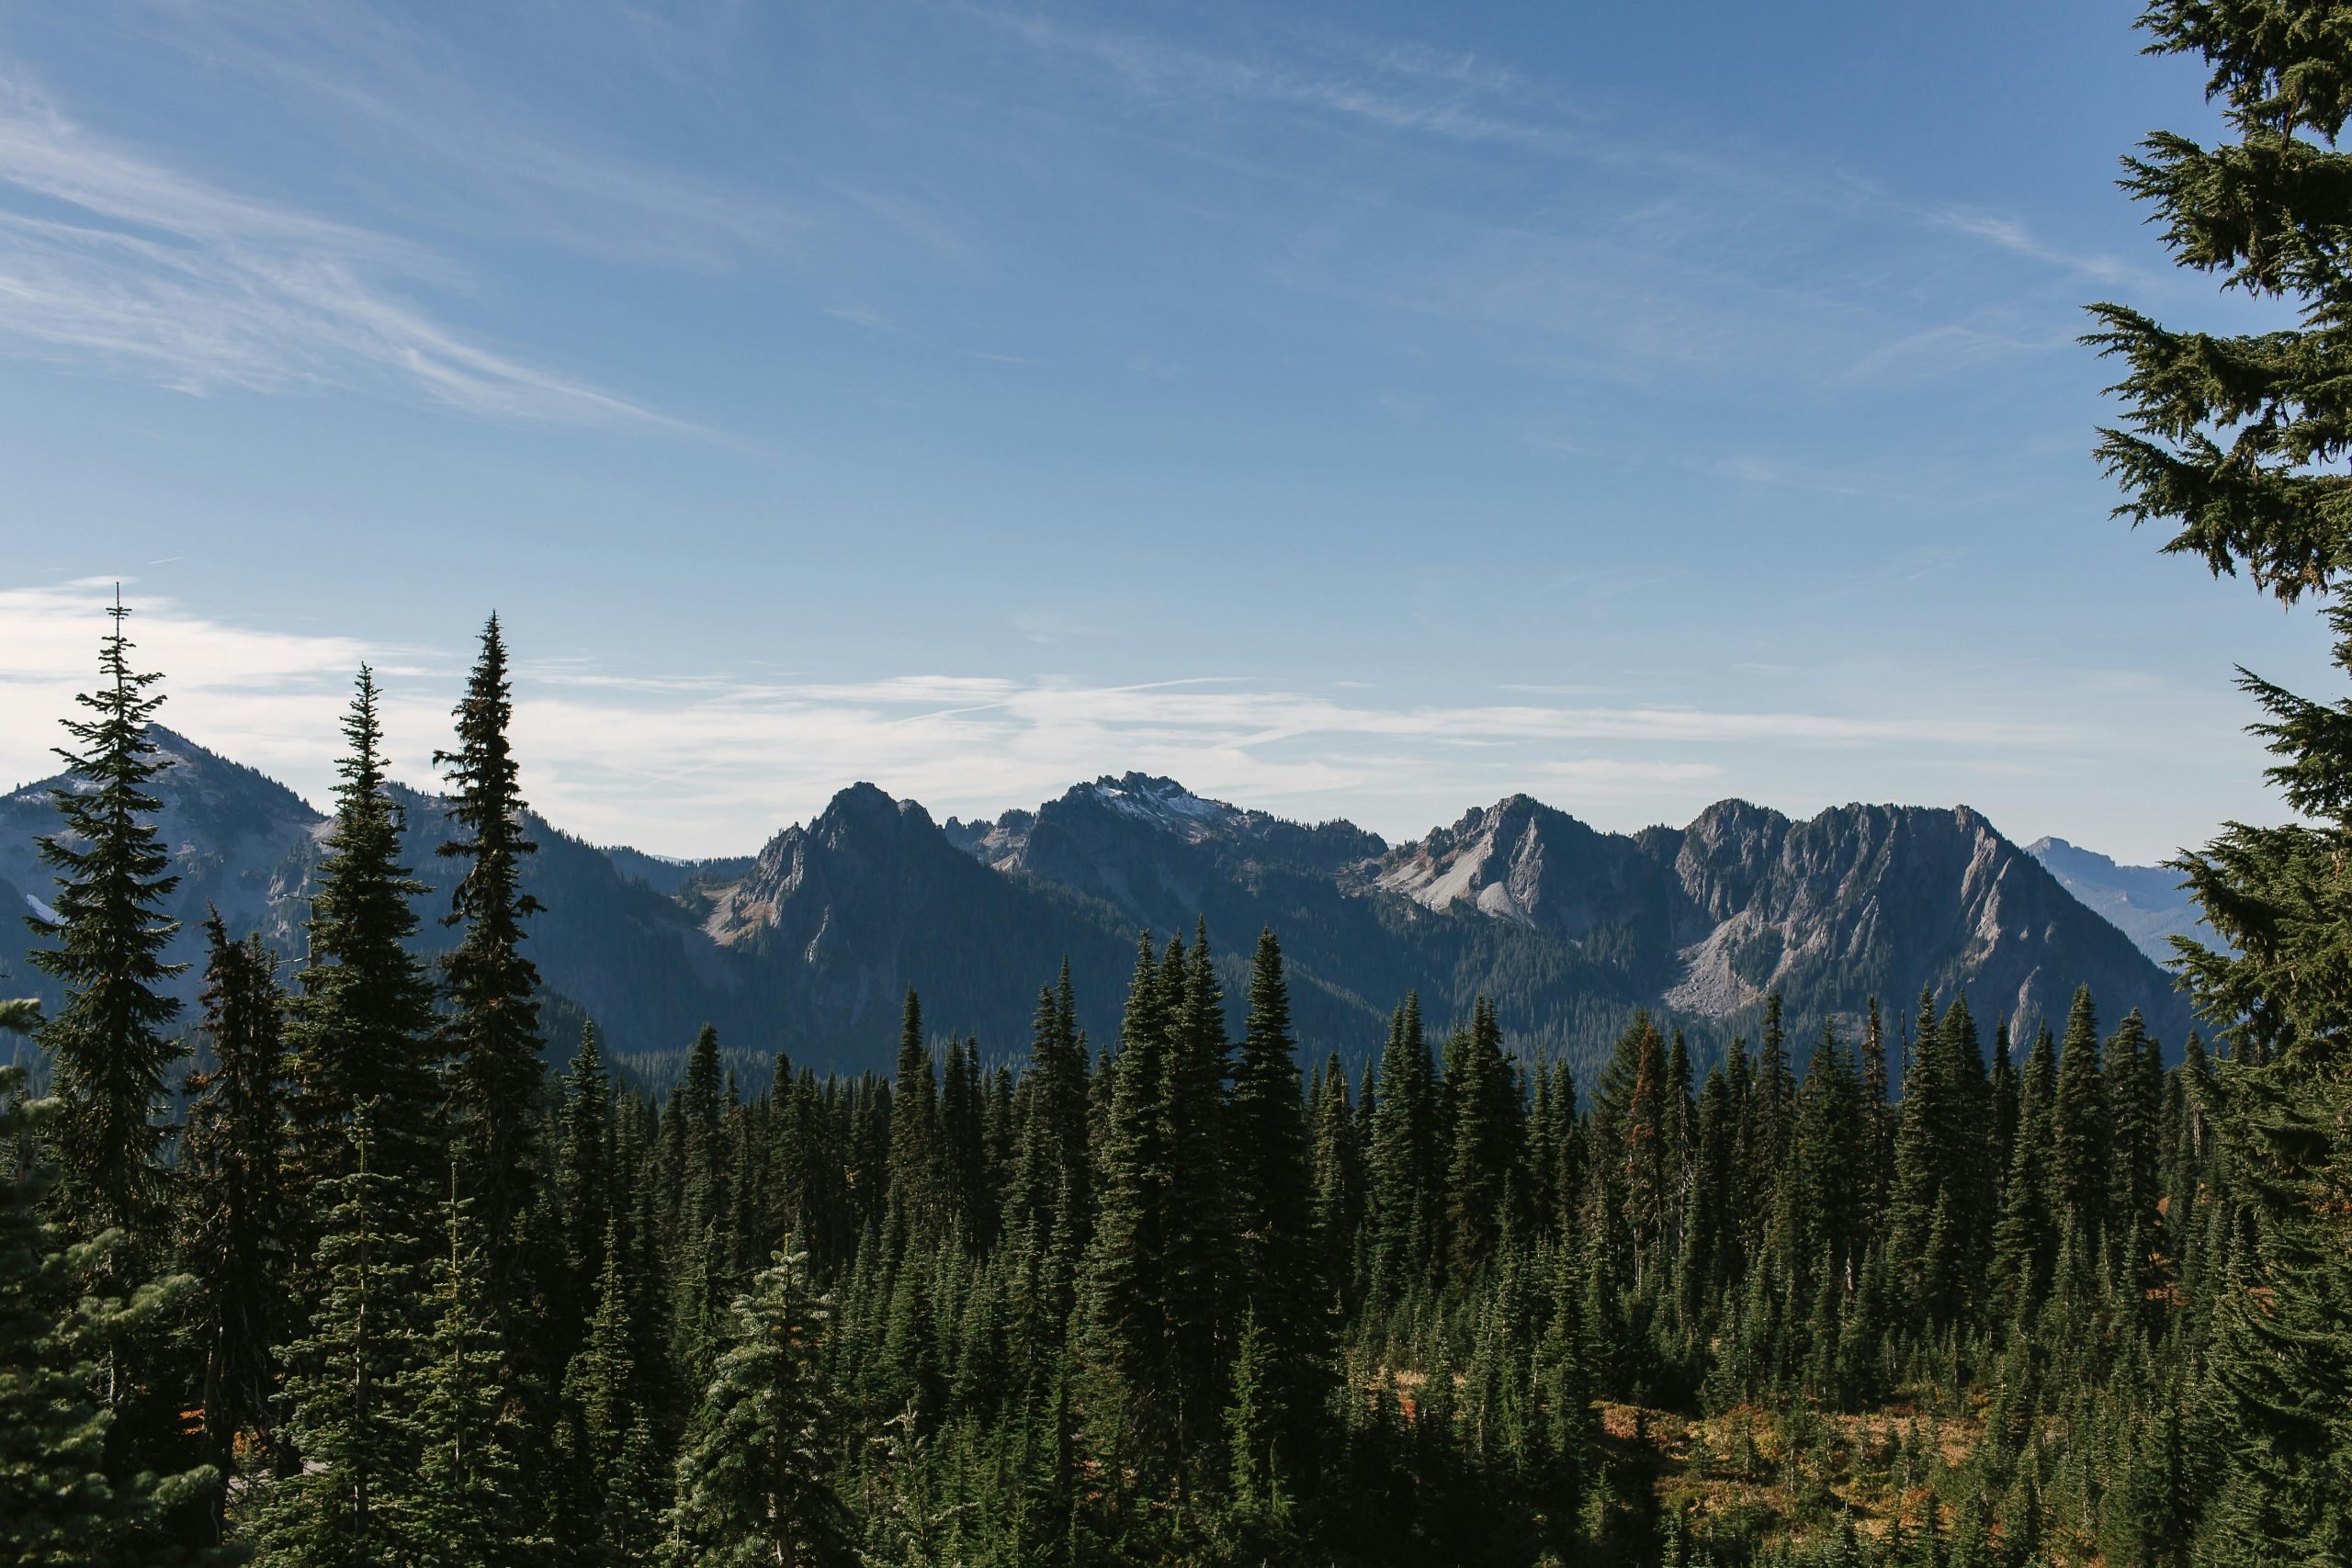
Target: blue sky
[[1351, 410]]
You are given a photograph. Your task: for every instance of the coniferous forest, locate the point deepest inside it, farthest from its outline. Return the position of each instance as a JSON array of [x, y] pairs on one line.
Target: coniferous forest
[[337, 1272]]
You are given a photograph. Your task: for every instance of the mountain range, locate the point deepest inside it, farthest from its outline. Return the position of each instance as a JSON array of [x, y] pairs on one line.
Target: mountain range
[[807, 947], [2146, 903]]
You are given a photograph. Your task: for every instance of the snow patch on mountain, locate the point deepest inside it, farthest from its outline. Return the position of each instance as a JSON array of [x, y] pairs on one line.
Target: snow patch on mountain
[[1167, 804]]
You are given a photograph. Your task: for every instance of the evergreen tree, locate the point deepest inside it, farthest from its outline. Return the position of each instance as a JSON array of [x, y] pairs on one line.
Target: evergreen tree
[[492, 1027], [235, 1241], [1269, 1172], [1050, 1170], [58, 1507], [1402, 1159], [2135, 1108], [354, 1501], [915, 1174], [1484, 1143], [1338, 1183], [2239, 442], [695, 1228], [2080, 1130], [1121, 1341], [1255, 1421], [361, 1031], [2024, 1240], [1708, 1245], [1196, 1205], [1629, 1132], [1939, 1218], [473, 1509], [752, 1483], [108, 1047], [586, 1160], [1766, 1125], [1878, 1151], [607, 1396], [963, 1155]]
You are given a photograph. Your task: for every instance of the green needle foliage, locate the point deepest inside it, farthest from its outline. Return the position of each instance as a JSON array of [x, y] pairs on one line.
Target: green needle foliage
[[354, 1415], [59, 1505], [2236, 444], [234, 1233], [752, 1479], [361, 1031], [491, 1028], [108, 1045]]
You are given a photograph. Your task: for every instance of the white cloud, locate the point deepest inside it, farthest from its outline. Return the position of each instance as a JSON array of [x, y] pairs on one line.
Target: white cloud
[[708, 765], [112, 261], [2013, 236], [268, 699], [380, 77]]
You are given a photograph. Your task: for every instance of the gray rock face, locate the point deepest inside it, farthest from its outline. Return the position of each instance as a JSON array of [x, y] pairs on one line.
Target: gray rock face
[[1520, 860], [1858, 900]]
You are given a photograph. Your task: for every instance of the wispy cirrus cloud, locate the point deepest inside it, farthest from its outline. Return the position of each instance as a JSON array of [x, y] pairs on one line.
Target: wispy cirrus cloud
[[495, 162], [2012, 235], [113, 261], [1679, 257], [714, 763], [1398, 87]]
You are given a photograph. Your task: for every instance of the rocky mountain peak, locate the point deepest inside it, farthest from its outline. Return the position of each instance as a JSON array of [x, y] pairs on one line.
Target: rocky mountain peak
[[1167, 805], [1518, 860], [865, 808]]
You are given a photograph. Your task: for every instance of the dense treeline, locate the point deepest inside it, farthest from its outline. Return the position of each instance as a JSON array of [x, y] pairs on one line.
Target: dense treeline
[[388, 1295]]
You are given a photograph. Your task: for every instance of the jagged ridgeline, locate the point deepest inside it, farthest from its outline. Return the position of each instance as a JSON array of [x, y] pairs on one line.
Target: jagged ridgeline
[[807, 947]]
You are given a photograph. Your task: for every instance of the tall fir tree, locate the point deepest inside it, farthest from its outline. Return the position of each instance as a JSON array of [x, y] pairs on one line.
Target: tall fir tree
[[491, 1029], [2237, 442], [110, 1044], [2081, 1130], [1402, 1159], [473, 1508], [586, 1160], [235, 1214], [1125, 1395], [1196, 1204], [1339, 1185], [1269, 1163], [2024, 1238], [361, 1031], [1047, 1202], [915, 1164], [1766, 1125], [1484, 1143], [694, 1227]]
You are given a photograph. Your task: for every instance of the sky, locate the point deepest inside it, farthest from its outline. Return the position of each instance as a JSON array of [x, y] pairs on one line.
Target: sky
[[1347, 409]]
